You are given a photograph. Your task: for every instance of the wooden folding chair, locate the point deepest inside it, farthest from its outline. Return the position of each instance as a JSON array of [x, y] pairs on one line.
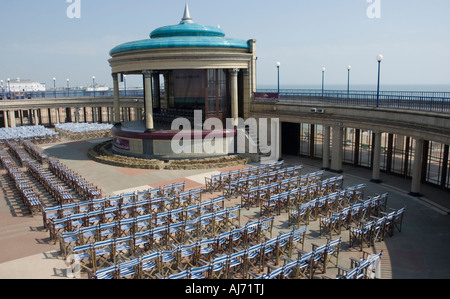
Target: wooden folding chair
[[205, 250], [201, 272], [107, 230], [104, 273], [176, 233], [159, 238], [331, 224], [167, 262], [300, 215], [250, 197], [398, 220], [265, 227], [110, 214], [269, 205], [123, 248], [234, 265], [233, 217], [89, 234], [236, 239], [218, 267], [103, 253], [304, 266], [49, 214], [362, 235], [282, 247], [213, 183], [128, 269], [333, 250], [68, 240], [126, 227], [253, 260], [142, 242], [186, 256], [83, 257], [148, 266], [57, 226]]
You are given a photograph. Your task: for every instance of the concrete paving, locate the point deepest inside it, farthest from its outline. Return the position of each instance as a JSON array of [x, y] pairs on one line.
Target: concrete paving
[[419, 251]]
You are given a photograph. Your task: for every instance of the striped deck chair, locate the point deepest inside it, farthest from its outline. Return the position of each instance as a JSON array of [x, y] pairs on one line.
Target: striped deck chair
[[128, 269], [148, 267], [201, 272]]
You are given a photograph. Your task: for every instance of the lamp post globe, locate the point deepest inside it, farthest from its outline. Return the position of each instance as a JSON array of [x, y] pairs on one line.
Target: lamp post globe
[[54, 85], [93, 84], [379, 59], [349, 67]]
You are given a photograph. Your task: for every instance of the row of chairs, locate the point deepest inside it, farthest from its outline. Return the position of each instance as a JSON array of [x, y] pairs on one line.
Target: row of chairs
[[34, 151], [376, 230], [78, 131], [28, 194], [195, 261], [87, 221], [18, 153], [86, 190], [238, 186], [355, 213], [140, 203], [27, 132], [59, 192], [291, 199], [144, 210], [217, 182], [307, 184], [92, 256], [161, 232], [310, 211], [307, 263], [364, 268]]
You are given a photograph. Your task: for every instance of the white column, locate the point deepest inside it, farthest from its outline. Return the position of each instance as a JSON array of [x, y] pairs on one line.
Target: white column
[[376, 158], [57, 115], [148, 100], [234, 96], [326, 147], [116, 99], [5, 118], [36, 117], [337, 149], [12, 120], [417, 168]]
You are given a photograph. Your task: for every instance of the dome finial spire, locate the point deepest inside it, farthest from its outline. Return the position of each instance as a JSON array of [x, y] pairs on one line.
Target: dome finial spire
[[187, 16]]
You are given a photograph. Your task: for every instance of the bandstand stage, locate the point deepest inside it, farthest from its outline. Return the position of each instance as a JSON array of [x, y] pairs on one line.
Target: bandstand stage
[[185, 67]]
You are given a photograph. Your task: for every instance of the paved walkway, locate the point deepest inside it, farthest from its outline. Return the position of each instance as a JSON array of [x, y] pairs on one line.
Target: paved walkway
[[419, 251]]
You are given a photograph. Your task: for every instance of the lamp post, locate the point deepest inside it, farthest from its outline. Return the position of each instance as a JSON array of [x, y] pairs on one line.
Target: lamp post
[[379, 59], [93, 84], [68, 88], [323, 79], [54, 86], [278, 70], [348, 81], [9, 87]]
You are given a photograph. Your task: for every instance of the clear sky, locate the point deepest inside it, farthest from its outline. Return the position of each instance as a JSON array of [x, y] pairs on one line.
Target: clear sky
[[39, 41]]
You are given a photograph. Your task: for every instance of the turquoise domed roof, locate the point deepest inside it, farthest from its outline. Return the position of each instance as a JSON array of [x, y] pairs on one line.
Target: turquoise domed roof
[[185, 34], [187, 29]]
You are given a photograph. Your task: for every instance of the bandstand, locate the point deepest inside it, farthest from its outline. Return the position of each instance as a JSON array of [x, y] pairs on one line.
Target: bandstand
[[200, 69]]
